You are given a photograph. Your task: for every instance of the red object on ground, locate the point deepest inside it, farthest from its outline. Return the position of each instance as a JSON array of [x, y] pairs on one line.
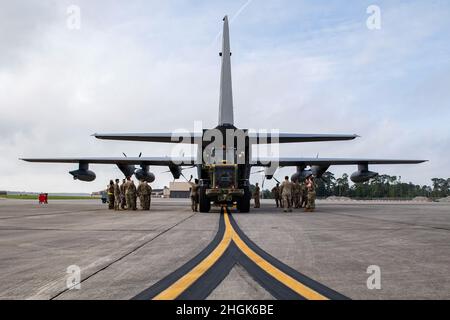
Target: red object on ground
[[43, 198]]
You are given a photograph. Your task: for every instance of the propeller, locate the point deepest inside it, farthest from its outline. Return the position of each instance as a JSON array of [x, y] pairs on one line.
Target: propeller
[[263, 170]]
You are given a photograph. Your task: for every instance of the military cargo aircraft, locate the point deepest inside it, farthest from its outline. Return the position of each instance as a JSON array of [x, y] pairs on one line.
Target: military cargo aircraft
[[223, 159]]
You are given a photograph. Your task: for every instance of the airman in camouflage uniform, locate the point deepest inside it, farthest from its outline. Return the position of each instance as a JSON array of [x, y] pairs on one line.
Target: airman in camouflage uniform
[[194, 195], [296, 194], [144, 192], [276, 195], [117, 195], [110, 191], [311, 200], [256, 196], [286, 194], [303, 194], [123, 200], [131, 194]]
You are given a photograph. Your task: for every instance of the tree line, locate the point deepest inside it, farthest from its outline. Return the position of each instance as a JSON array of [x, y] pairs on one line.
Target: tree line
[[382, 186]]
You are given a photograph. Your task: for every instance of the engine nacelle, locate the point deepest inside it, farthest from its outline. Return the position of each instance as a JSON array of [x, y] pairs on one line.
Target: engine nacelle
[[301, 175], [83, 175], [295, 176], [363, 174], [144, 174], [176, 171], [318, 171], [127, 170], [269, 172]]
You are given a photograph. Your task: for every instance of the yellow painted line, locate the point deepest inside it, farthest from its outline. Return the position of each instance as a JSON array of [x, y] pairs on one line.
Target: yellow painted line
[[189, 278], [230, 234], [287, 280]]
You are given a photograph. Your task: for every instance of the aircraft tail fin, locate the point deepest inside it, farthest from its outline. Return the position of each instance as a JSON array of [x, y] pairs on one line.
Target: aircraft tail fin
[[226, 93]]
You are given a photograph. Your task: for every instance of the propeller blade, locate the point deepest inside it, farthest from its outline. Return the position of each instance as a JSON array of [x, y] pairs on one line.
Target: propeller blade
[[191, 167], [259, 171], [184, 176]]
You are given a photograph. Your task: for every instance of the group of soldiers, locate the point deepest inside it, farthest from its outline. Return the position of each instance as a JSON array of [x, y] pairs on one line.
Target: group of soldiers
[[124, 196], [288, 195], [292, 194]]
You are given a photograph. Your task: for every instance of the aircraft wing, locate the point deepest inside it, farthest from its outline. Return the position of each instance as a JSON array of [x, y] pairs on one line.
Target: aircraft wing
[[150, 161], [168, 137], [262, 138], [288, 162]]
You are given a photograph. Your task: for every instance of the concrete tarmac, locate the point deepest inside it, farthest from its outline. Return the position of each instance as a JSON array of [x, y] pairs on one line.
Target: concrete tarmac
[[120, 254]]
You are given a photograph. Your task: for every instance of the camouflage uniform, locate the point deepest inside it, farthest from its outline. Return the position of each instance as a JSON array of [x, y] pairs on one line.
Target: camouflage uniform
[[117, 196], [194, 196], [286, 194], [276, 195], [256, 196], [123, 201], [110, 191], [131, 195], [144, 192], [303, 194], [311, 200], [296, 194]]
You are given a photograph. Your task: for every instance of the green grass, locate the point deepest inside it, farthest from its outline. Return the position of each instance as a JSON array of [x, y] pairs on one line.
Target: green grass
[[35, 197]]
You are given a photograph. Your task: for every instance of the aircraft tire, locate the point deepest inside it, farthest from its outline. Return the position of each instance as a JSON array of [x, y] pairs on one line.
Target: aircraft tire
[[204, 202], [243, 204]]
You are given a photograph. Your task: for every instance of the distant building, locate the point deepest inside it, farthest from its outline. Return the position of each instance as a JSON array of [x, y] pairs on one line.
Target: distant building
[[157, 193], [161, 193], [166, 192], [179, 189]]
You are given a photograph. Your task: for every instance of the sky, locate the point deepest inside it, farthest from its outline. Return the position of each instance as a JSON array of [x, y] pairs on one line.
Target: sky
[[153, 66]]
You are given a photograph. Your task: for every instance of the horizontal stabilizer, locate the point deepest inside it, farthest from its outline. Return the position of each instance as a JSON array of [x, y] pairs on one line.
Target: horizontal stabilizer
[[182, 137], [269, 137]]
